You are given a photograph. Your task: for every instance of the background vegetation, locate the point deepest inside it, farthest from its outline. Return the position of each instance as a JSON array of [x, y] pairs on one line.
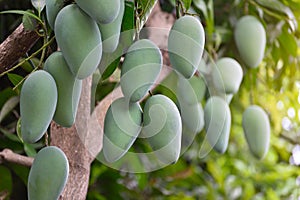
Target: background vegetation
[[275, 86]]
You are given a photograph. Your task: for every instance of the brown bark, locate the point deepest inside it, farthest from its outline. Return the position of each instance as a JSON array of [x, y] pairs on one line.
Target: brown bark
[[8, 155], [71, 141], [15, 46]]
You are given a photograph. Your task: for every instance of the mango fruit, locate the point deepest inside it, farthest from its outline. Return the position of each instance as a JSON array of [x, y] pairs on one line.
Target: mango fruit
[[192, 90], [48, 174], [38, 101], [122, 125], [68, 88], [141, 67], [256, 127], [185, 45], [227, 74], [111, 32], [102, 11], [52, 9], [162, 128], [192, 116], [79, 39], [217, 119], [250, 39]]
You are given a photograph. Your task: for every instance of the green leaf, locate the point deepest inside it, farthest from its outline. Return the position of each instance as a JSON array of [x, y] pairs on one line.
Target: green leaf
[[29, 150], [22, 12], [288, 42], [279, 8], [200, 4], [128, 19], [8, 107], [38, 4], [18, 129], [15, 79], [145, 7], [186, 4], [29, 23], [10, 135], [6, 183]]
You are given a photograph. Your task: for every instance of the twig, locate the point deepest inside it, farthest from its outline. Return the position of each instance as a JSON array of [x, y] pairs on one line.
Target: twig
[[8, 155]]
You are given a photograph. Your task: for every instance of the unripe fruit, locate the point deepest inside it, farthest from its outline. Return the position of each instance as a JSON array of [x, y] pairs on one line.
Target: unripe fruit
[[79, 39], [68, 88], [52, 9], [141, 67], [185, 45], [250, 38], [48, 174], [122, 125], [102, 11], [192, 90], [111, 32], [227, 74], [163, 128], [192, 116], [38, 100], [217, 119], [256, 127]]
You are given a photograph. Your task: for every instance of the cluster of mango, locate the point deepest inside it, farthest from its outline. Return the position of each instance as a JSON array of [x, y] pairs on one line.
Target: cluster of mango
[[54, 92]]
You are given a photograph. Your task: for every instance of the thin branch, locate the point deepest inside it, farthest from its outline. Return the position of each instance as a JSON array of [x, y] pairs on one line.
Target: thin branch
[[8, 155], [16, 46]]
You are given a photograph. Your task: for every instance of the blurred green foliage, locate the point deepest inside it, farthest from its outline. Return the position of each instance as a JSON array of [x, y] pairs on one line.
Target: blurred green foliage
[[275, 86]]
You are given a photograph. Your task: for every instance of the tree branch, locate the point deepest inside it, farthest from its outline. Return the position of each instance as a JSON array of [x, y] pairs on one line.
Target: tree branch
[[15, 46], [8, 155]]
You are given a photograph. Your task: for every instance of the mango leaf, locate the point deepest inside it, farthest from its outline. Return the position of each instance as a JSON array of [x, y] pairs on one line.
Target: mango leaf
[[186, 4], [279, 8], [22, 12], [9, 135], [15, 79], [29, 150], [145, 7], [29, 23], [8, 107], [128, 19], [38, 4], [6, 183], [200, 4], [288, 42]]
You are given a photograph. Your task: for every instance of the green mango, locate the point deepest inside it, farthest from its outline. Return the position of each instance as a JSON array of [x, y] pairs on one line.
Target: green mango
[[191, 91], [122, 124], [250, 39], [228, 75], [52, 9], [102, 11], [48, 174], [217, 118], [162, 128], [38, 101], [68, 88], [192, 116], [256, 127], [79, 39], [140, 69], [111, 32], [185, 45]]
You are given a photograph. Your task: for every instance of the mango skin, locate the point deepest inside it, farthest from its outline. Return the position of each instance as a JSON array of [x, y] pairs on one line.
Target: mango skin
[[52, 9], [250, 39], [122, 125], [228, 75], [192, 90], [102, 11], [217, 119], [163, 128], [111, 32], [48, 174], [68, 88], [192, 116], [140, 69], [185, 45], [256, 126], [79, 39], [38, 101]]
